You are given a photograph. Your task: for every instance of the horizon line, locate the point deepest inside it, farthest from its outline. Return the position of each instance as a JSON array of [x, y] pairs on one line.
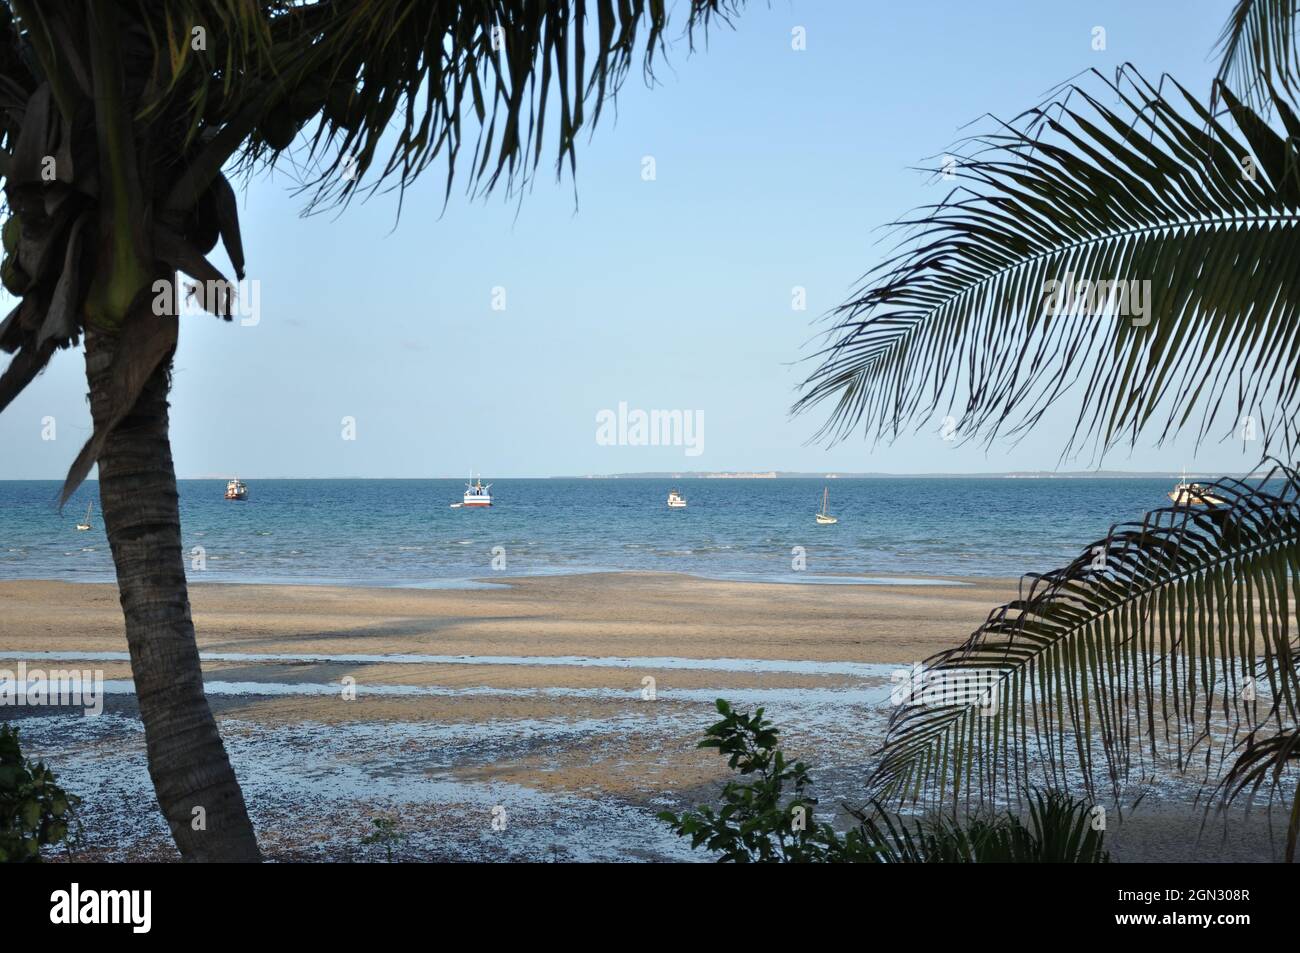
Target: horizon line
[[740, 475]]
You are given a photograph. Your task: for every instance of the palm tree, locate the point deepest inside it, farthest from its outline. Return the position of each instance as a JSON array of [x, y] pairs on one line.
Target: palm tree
[[117, 119], [1128, 246]]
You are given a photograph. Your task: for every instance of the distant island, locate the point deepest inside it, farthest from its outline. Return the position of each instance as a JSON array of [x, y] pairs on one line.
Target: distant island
[[1201, 475], [1010, 475]]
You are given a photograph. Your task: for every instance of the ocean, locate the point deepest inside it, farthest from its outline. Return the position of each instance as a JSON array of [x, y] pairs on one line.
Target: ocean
[[403, 532]]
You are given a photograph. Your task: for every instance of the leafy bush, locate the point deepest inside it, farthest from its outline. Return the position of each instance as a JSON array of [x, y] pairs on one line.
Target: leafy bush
[[769, 819], [754, 822], [385, 834], [34, 811]]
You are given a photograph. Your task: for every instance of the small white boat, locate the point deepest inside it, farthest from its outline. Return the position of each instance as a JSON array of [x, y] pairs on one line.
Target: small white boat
[[675, 500], [824, 518], [476, 494], [236, 490], [85, 524], [1194, 494]]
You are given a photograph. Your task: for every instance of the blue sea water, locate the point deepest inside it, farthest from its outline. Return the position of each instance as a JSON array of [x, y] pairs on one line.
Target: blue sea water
[[403, 532]]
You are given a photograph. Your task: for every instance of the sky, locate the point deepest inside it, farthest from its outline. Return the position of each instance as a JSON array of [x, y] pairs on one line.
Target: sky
[[379, 353]]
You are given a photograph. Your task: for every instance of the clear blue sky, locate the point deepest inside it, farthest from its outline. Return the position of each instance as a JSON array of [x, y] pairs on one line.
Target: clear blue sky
[[774, 168]]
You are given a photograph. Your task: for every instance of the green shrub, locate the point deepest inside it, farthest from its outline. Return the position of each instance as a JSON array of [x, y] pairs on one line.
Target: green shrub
[[34, 811], [385, 834], [769, 818], [758, 821]]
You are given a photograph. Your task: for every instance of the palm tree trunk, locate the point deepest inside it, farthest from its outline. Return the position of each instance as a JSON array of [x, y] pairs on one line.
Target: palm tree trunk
[[139, 504]]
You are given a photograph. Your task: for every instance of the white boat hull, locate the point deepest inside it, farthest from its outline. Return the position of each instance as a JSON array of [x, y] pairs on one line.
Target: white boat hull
[[477, 495], [1186, 496], [824, 518]]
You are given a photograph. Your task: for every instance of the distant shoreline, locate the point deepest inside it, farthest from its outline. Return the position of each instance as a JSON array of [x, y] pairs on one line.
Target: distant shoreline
[[835, 475]]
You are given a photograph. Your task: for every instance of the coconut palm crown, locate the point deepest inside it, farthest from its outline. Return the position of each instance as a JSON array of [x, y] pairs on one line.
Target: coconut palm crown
[[122, 123]]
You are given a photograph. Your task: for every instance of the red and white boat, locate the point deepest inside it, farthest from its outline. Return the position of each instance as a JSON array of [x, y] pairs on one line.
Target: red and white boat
[[236, 490], [477, 494]]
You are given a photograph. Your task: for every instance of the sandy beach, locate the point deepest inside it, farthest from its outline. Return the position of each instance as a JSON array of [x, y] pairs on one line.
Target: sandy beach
[[570, 705], [604, 614]]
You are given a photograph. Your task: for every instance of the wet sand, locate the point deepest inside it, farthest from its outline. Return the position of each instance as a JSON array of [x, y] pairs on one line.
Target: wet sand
[[628, 614], [569, 705]]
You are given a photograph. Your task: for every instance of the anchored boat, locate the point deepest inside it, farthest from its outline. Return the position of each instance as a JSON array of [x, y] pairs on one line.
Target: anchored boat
[[1194, 494], [823, 517], [675, 500], [236, 490], [476, 494]]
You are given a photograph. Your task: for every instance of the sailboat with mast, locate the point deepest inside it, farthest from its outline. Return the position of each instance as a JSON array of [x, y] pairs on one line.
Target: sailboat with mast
[[824, 518], [85, 524]]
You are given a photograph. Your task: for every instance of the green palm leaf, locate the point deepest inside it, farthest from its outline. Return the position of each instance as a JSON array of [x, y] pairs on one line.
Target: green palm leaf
[[382, 88], [1258, 47], [1169, 645], [1154, 189]]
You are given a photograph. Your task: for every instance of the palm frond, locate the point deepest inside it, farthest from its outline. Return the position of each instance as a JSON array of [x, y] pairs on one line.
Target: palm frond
[[1258, 49], [380, 89], [1168, 646], [1059, 831], [980, 311]]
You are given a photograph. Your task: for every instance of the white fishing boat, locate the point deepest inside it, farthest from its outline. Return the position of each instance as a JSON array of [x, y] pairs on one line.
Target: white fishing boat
[[1194, 494], [236, 490], [477, 493], [824, 518], [85, 524], [675, 500]]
